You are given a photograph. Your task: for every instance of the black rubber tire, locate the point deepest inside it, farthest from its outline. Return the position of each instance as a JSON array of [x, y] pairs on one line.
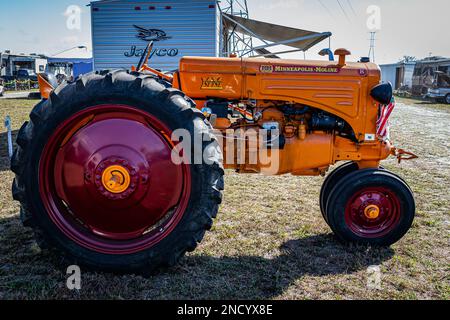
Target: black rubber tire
[[355, 181], [143, 92], [447, 99], [334, 177]]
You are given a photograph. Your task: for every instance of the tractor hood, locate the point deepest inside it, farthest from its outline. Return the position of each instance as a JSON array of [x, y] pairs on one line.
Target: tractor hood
[[228, 77], [341, 89], [276, 66]]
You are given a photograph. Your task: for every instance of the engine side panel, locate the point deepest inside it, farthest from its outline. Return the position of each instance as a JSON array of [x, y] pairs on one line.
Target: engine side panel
[[342, 91], [270, 85]]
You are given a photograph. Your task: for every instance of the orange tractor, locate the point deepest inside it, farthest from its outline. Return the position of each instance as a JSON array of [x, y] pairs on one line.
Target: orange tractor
[[98, 170]]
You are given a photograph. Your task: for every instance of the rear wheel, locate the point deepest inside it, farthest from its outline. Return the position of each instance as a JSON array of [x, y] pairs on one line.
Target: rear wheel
[[96, 179], [447, 99], [371, 207]]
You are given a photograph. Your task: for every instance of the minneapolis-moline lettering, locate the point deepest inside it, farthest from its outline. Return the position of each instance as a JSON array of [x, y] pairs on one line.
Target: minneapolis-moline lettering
[[306, 69]]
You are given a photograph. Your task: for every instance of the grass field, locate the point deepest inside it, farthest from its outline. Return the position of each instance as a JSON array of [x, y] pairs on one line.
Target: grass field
[[269, 241]]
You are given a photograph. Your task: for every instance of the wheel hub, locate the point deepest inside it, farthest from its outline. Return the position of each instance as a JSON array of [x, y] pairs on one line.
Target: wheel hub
[[116, 178], [372, 212]]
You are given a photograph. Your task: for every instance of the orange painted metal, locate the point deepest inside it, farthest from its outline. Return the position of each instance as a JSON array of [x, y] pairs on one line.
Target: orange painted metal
[[343, 92], [339, 88], [158, 73], [45, 88]]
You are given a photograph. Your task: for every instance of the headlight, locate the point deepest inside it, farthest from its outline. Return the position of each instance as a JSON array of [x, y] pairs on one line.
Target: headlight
[[382, 93]]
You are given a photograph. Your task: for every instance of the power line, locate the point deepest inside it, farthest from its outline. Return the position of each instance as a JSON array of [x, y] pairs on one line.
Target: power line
[[351, 7], [343, 10], [326, 8]]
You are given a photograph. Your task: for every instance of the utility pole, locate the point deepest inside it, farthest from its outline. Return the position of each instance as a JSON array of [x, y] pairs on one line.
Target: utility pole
[[234, 42], [372, 46]]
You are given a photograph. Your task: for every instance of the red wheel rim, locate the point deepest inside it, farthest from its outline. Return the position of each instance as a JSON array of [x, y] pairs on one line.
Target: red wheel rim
[[373, 212], [86, 148]]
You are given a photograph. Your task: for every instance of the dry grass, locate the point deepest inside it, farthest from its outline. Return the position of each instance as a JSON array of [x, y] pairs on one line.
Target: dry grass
[[269, 241], [424, 103]]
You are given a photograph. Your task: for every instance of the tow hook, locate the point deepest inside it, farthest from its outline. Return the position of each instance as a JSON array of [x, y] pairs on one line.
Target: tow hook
[[401, 155]]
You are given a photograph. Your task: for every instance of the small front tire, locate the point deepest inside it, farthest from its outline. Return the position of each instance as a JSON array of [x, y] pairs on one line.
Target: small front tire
[[330, 182], [373, 207]]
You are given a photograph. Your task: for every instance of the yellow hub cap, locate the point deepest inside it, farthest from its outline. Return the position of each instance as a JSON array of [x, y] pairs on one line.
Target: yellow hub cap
[[372, 212], [116, 179]]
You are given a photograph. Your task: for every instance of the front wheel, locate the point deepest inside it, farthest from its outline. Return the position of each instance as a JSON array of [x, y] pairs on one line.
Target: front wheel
[[330, 182], [372, 207], [96, 178]]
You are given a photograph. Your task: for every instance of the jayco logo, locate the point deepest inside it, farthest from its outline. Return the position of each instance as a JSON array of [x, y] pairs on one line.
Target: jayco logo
[[155, 35], [150, 34], [135, 52]]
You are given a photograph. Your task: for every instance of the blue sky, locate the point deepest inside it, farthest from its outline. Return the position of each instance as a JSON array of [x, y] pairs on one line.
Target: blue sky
[[409, 27], [40, 26]]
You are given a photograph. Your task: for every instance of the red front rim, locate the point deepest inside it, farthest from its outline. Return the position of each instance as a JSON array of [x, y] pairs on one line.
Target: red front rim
[[73, 165], [382, 221]]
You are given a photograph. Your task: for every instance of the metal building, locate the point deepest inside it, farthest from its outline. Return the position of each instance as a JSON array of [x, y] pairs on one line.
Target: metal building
[[399, 74], [121, 30]]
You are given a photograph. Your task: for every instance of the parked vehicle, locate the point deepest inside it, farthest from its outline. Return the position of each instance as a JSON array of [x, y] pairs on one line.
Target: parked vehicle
[[26, 74], [426, 72], [440, 90]]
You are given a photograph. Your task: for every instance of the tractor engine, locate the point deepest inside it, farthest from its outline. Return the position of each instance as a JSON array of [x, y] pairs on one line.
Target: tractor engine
[[298, 139]]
